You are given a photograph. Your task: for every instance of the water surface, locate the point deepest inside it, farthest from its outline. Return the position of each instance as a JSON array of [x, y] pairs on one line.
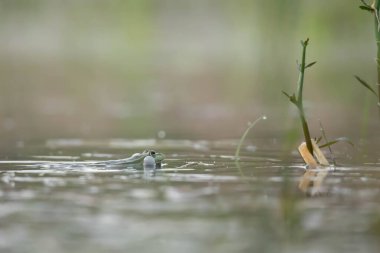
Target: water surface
[[198, 202]]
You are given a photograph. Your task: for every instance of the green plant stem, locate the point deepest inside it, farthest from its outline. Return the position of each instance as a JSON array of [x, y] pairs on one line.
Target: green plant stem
[[250, 126], [301, 76], [299, 100], [376, 7], [306, 131], [237, 153]]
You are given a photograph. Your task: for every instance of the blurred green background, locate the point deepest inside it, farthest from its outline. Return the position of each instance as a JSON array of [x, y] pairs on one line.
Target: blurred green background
[[194, 69]]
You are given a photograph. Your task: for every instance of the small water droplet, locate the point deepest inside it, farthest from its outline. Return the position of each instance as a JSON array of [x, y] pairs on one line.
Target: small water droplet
[[161, 134]]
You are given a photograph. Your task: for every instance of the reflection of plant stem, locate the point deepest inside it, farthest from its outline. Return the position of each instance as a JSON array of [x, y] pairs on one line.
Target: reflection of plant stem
[[237, 164], [237, 157]]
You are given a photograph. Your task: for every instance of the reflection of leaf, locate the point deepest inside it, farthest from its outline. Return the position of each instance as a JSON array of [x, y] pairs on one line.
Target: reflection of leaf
[[365, 84], [341, 139], [310, 64]]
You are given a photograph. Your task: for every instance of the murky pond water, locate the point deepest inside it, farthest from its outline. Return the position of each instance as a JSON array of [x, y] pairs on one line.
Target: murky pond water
[[198, 202]]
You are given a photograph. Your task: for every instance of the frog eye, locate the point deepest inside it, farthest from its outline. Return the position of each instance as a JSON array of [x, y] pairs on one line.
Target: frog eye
[[152, 153]]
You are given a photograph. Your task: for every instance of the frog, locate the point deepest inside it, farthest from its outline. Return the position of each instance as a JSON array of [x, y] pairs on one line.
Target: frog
[[137, 160]]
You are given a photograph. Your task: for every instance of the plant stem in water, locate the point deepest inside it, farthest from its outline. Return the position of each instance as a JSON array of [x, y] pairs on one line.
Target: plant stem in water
[[306, 131], [376, 6], [299, 100], [250, 126], [237, 157]]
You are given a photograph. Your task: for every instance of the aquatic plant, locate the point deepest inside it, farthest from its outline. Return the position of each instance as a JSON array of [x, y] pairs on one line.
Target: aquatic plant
[[242, 138], [297, 100], [374, 9], [323, 135], [250, 126]]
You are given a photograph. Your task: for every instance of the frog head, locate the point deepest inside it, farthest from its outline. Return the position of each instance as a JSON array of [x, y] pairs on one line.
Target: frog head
[[158, 157]]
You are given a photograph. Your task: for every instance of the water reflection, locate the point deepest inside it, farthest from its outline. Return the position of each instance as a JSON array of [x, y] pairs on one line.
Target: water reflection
[[312, 180]]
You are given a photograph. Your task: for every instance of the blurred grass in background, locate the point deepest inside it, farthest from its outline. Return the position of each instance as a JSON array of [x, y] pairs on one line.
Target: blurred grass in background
[[195, 69]]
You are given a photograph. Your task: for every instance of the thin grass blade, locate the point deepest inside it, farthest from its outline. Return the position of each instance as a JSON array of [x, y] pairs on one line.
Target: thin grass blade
[[366, 8], [317, 140], [326, 140], [251, 125], [341, 139], [292, 98], [310, 64], [286, 94], [365, 84], [237, 153]]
